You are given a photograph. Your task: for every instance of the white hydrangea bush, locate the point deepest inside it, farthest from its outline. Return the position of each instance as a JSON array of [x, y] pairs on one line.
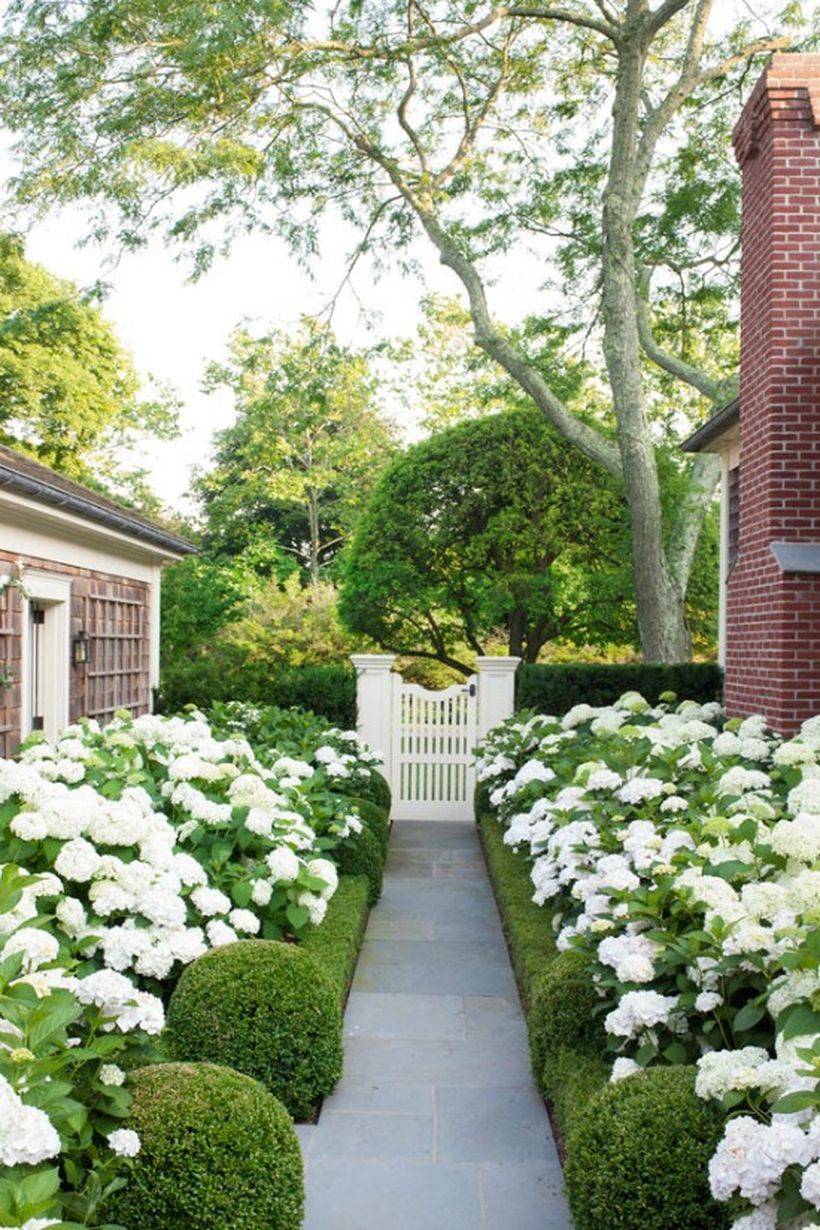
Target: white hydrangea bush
[[169, 841], [681, 854], [338, 757], [125, 853], [66, 1040]]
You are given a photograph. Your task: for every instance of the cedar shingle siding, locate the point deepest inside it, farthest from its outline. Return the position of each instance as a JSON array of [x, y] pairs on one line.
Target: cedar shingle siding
[[115, 614]]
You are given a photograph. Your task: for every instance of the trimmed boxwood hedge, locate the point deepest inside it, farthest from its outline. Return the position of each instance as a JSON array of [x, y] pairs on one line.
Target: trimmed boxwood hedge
[[376, 818], [637, 1151], [335, 945], [267, 1009], [639, 1156], [555, 689], [363, 856], [328, 689], [376, 789], [218, 1152], [529, 934], [562, 1011]]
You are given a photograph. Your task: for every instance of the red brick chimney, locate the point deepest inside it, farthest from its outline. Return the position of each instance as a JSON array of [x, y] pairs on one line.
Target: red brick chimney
[[773, 590]]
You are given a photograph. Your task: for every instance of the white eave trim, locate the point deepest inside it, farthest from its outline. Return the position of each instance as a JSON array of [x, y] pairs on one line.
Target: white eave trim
[[25, 513]]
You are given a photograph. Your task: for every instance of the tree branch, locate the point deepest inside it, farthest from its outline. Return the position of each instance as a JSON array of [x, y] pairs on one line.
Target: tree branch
[[664, 14], [714, 389], [609, 29], [593, 443]]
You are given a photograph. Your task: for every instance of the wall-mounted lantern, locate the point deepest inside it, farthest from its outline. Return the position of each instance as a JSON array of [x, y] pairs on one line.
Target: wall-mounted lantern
[[79, 649]]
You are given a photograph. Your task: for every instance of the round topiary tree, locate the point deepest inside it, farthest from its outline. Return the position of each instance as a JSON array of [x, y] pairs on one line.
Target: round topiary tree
[[363, 855], [562, 1011], [266, 1009], [638, 1156], [218, 1152]]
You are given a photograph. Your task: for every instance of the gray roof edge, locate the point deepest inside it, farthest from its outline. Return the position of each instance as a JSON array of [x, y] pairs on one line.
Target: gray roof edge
[[724, 418], [133, 527]]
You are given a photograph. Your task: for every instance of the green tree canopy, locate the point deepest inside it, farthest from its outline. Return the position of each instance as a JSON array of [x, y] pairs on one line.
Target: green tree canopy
[[305, 449], [69, 393], [592, 135], [494, 525]]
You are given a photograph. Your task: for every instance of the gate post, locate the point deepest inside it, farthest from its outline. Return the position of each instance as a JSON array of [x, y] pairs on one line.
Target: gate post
[[496, 691], [374, 703]]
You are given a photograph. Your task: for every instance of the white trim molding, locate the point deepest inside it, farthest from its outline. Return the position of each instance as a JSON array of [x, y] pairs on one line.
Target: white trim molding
[[53, 591]]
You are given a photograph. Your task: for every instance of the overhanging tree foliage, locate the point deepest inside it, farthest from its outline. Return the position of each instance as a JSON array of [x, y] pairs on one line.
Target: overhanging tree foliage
[[68, 388], [594, 130], [492, 526]]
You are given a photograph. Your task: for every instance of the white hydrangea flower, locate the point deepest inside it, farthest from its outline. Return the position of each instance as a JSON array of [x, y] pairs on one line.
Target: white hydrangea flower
[[283, 865], [209, 901], [639, 788], [219, 933], [638, 1011], [810, 1184], [261, 892], [38, 947], [622, 1068], [805, 797], [752, 1157], [124, 1142], [120, 1003], [764, 1217], [27, 1135], [722, 1071], [244, 921], [110, 1074], [798, 838], [323, 869]]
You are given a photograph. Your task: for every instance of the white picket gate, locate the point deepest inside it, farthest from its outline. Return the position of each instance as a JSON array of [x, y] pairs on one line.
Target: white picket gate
[[434, 734], [426, 738]]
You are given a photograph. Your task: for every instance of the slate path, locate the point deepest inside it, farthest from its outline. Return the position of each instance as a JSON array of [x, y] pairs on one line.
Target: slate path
[[436, 1124]]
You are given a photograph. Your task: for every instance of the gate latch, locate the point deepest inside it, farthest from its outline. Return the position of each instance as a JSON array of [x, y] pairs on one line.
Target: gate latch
[[470, 689]]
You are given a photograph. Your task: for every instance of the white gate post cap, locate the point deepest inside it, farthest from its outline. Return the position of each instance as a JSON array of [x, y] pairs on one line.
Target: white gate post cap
[[496, 665], [373, 661]]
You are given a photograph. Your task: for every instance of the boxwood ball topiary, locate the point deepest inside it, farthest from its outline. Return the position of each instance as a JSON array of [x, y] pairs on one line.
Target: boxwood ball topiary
[[362, 855], [375, 788], [267, 1009], [218, 1152], [376, 819], [638, 1156], [562, 1011]]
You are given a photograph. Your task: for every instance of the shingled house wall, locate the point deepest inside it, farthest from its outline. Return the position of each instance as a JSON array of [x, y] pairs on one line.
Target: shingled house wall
[[114, 612]]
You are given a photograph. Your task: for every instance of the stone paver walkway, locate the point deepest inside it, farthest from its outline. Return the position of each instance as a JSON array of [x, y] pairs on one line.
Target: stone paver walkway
[[436, 1124]]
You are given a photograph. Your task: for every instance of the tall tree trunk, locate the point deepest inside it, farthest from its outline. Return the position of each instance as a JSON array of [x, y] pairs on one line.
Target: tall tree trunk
[[661, 615], [515, 638], [315, 543]]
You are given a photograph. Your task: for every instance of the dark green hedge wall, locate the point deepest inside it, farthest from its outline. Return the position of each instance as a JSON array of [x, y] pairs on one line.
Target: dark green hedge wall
[[555, 689], [329, 689]]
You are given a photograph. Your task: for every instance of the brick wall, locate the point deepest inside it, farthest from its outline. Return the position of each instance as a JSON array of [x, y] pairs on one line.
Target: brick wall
[[773, 618], [115, 614]]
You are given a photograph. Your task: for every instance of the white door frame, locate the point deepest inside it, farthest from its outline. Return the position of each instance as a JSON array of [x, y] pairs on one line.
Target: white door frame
[[52, 591]]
